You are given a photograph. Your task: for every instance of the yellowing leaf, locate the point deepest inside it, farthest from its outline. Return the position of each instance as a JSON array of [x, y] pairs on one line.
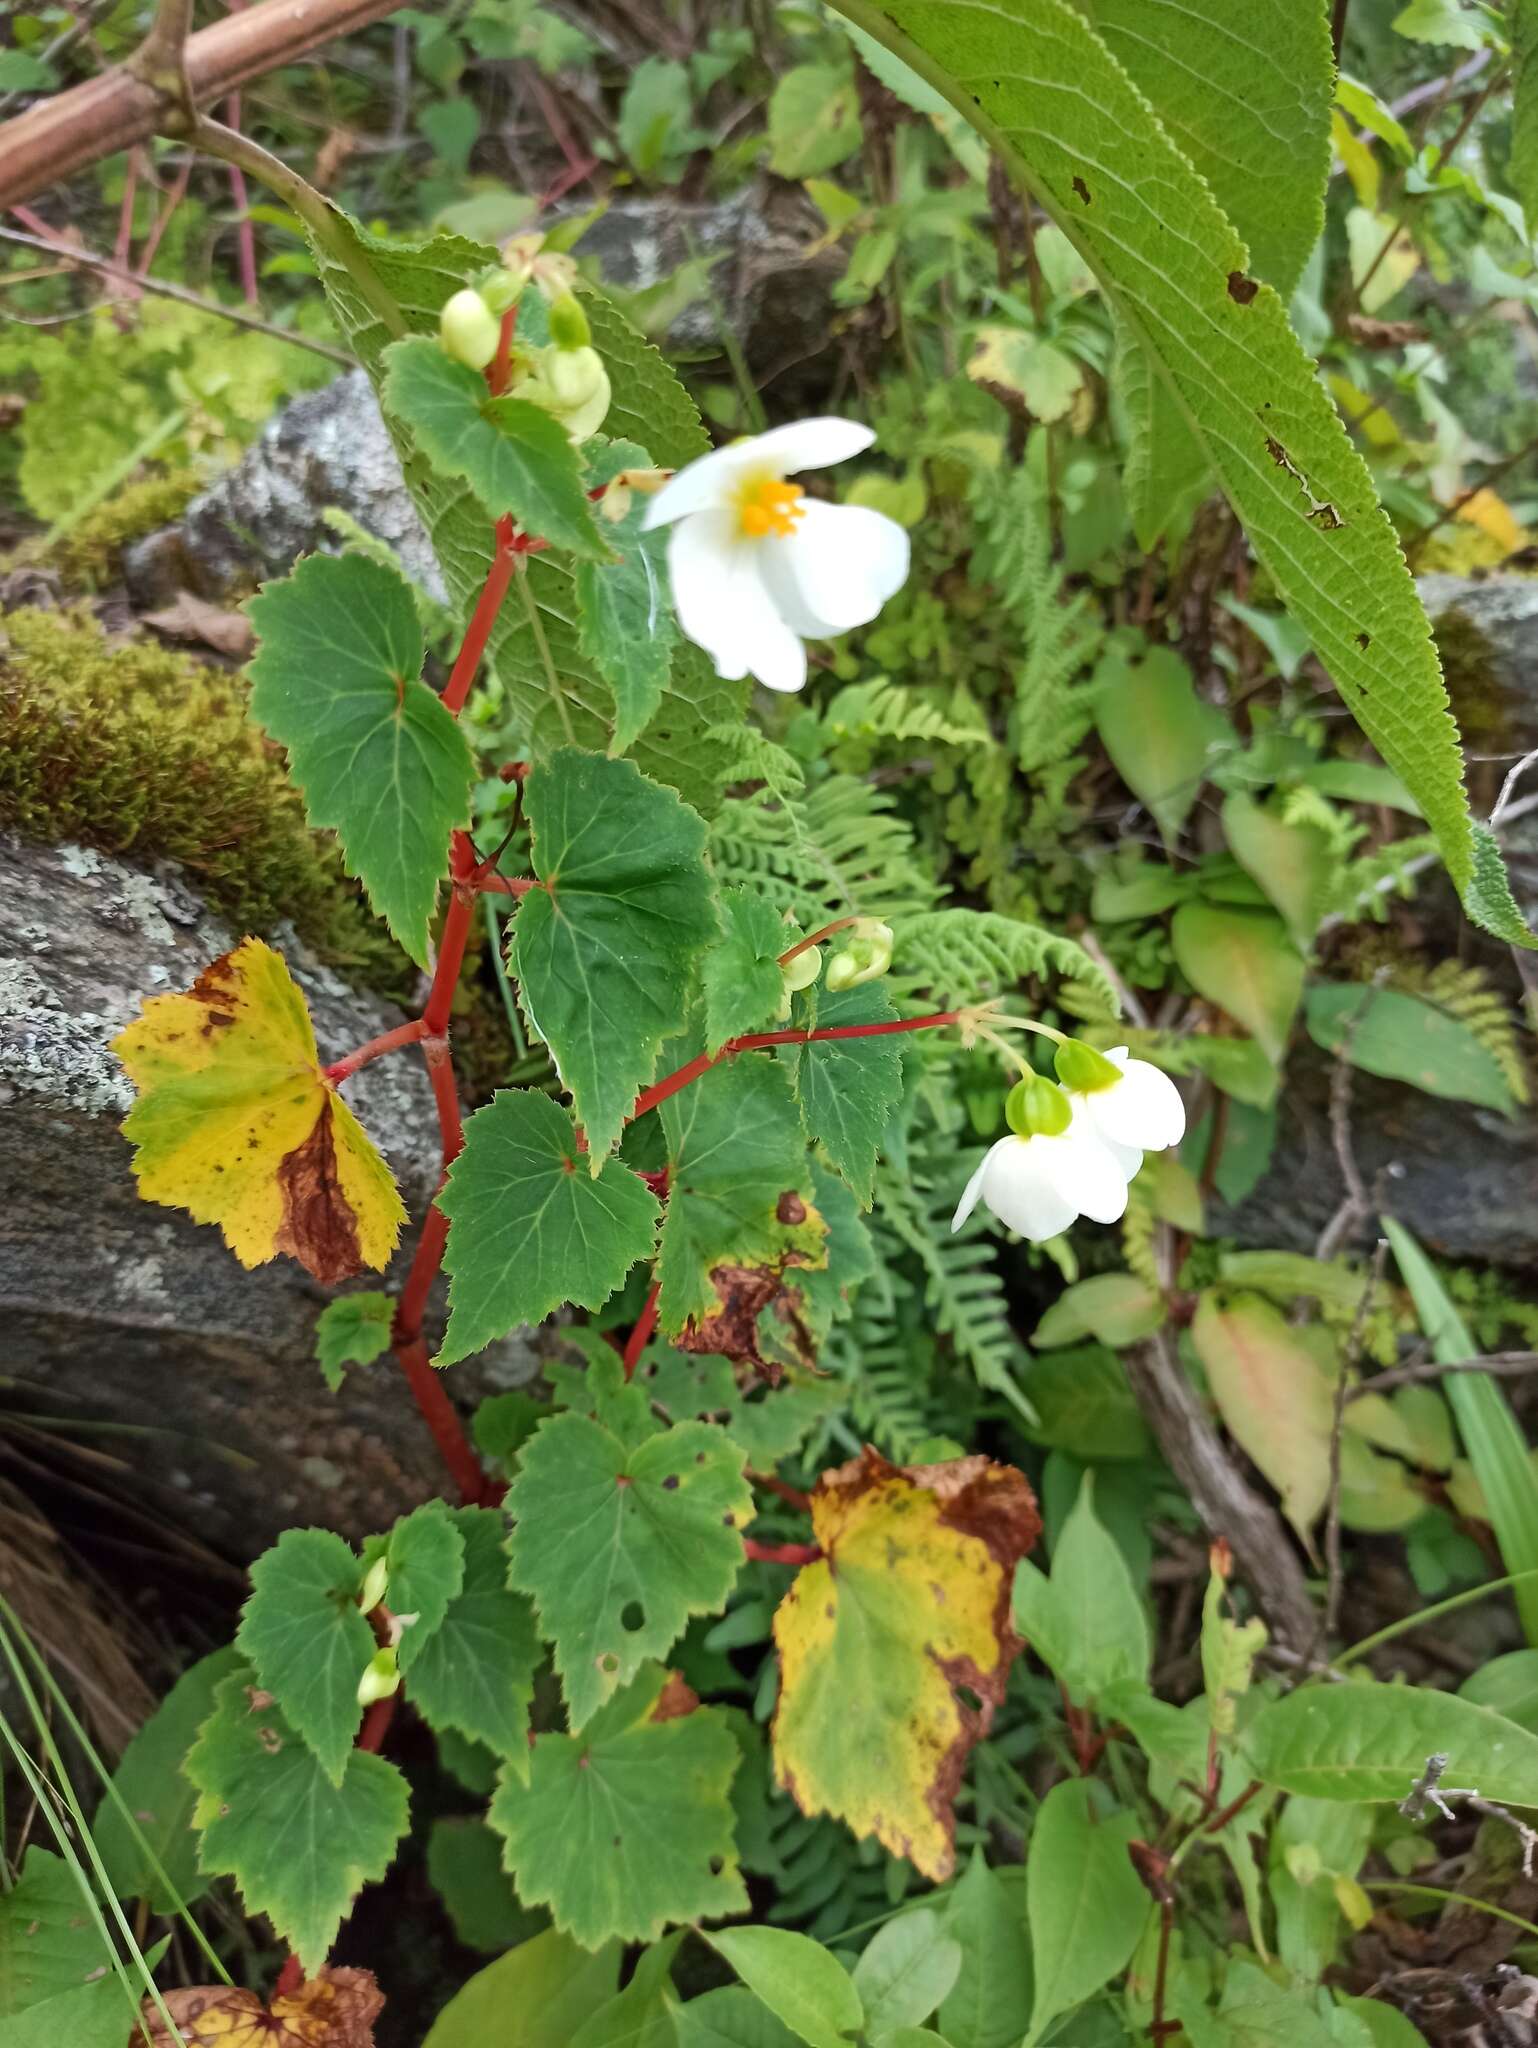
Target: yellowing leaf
[[236, 1123], [335, 2009], [1489, 512], [1272, 1395], [896, 1644]]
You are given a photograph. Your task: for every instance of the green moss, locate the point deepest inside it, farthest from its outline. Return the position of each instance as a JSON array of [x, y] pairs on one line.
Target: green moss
[[149, 754], [90, 551], [1481, 702]]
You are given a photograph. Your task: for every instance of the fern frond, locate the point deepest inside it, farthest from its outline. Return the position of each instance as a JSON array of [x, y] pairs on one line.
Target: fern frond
[[1466, 993], [743, 754], [882, 709], [962, 1287], [1137, 1233], [964, 956], [840, 848]]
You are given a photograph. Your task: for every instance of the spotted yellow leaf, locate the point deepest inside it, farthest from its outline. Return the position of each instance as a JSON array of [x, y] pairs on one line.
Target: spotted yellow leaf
[[896, 1644], [335, 2009], [236, 1123]]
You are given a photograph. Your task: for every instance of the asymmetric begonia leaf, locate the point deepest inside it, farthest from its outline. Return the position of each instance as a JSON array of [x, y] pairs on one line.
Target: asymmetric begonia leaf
[[627, 1826], [298, 1846], [354, 1330], [849, 1087], [517, 459], [618, 1549], [605, 952], [425, 1558], [302, 1633], [337, 680], [332, 2009], [739, 1193], [906, 1614], [626, 623], [474, 1672], [236, 1123], [530, 1226], [744, 986]]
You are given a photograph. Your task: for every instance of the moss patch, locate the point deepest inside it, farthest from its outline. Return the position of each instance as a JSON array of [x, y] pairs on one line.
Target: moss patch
[[91, 551]]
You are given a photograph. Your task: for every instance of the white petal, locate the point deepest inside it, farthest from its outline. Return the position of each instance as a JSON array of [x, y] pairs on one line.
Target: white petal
[[1128, 1158], [840, 564], [704, 485], [972, 1190], [1143, 1109], [1020, 1187], [723, 606], [1087, 1174], [811, 444]]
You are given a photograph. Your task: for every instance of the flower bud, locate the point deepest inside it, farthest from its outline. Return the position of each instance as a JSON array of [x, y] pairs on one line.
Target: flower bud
[[568, 323], [500, 288], [614, 505], [381, 1677], [375, 1585], [469, 330], [803, 970], [865, 955], [1083, 1069], [1037, 1108], [573, 385]]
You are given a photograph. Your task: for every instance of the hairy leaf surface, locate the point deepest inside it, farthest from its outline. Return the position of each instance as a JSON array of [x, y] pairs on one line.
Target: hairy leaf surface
[[303, 1635]]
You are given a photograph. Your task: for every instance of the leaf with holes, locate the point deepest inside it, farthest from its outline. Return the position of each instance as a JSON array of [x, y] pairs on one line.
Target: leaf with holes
[[744, 984], [606, 951], [848, 1088], [352, 1331], [906, 1617], [627, 627], [518, 460], [235, 1122], [303, 1635], [619, 1548], [474, 1672], [626, 1828], [530, 1226], [298, 1846]]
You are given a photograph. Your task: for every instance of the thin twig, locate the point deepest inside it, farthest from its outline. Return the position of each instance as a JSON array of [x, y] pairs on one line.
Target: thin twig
[[1500, 1364], [1356, 1204], [1428, 1790]]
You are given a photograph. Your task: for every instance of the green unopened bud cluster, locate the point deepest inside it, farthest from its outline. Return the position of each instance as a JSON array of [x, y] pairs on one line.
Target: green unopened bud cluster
[[1037, 1108], [864, 954], [565, 378]]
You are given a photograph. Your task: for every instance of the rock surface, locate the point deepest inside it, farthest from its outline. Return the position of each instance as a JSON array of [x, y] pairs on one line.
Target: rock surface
[[121, 1311]]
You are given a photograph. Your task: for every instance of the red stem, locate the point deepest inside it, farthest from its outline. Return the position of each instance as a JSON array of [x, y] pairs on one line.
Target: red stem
[[816, 938], [782, 1553], [482, 619], [439, 1413], [375, 1049], [290, 1978], [123, 247], [505, 885], [162, 219], [751, 1041], [376, 1724], [640, 1336]]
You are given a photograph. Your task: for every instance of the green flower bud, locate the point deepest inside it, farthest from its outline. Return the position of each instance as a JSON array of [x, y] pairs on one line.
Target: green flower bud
[[500, 288], [571, 384], [804, 969], [381, 1677], [375, 1585], [1083, 1069], [568, 323], [1037, 1108], [469, 330], [865, 955]]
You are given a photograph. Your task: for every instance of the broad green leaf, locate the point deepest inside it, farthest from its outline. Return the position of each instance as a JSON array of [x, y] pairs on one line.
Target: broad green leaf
[[1084, 1900], [464, 1867], [354, 1330], [1386, 2025], [1294, 864], [800, 1981], [94, 2016], [1255, 2012], [298, 1846], [337, 680], [740, 1186], [1084, 1405], [1492, 1436], [744, 986], [1405, 1038], [640, 2016], [1243, 962], [549, 1983], [731, 2018], [895, 1645], [388, 288], [474, 1673], [768, 1422], [235, 1122], [304, 1637], [626, 621], [530, 1226], [1167, 472], [1025, 366], [626, 1828], [518, 459], [618, 1549], [1522, 164], [849, 1088], [49, 1943], [906, 1971], [425, 1558], [1161, 737], [605, 951], [150, 1784], [1314, 1841], [1086, 1622], [1041, 85], [1115, 1308], [603, 1390], [990, 2006], [814, 120], [1370, 1742], [1509, 1685], [1274, 1399]]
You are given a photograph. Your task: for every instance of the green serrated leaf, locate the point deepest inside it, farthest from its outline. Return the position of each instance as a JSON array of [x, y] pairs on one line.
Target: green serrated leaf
[[425, 1558], [619, 1548], [303, 1635], [606, 951], [744, 984], [298, 1846], [337, 681], [353, 1330], [474, 1673], [737, 1154], [530, 1227], [848, 1088], [627, 628], [627, 1827], [518, 460]]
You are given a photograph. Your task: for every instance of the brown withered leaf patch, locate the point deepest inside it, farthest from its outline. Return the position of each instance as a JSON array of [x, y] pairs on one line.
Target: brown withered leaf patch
[[335, 2009]]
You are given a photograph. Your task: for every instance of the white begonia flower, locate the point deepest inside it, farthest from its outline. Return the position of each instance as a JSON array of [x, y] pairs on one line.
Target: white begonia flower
[[1049, 1171], [1131, 1106], [757, 567]]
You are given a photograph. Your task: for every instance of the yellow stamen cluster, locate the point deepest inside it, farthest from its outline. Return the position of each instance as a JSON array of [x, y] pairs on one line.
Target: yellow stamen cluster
[[769, 506]]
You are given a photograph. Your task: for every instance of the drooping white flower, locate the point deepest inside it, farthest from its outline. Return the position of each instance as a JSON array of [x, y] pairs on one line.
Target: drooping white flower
[[757, 567], [1132, 1106], [1050, 1170]]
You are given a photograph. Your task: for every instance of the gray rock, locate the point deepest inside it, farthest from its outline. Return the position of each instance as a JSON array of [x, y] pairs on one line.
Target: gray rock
[[120, 1311], [1503, 610], [326, 449]]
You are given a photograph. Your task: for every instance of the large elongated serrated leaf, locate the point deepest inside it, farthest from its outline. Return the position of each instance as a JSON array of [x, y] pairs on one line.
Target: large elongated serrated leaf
[[530, 1227], [606, 950], [474, 1672], [518, 460], [619, 1549], [849, 1087], [1040, 84], [235, 1122], [337, 680], [304, 1637], [627, 1828], [896, 1645], [298, 1846], [1524, 106], [739, 1184], [396, 288]]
